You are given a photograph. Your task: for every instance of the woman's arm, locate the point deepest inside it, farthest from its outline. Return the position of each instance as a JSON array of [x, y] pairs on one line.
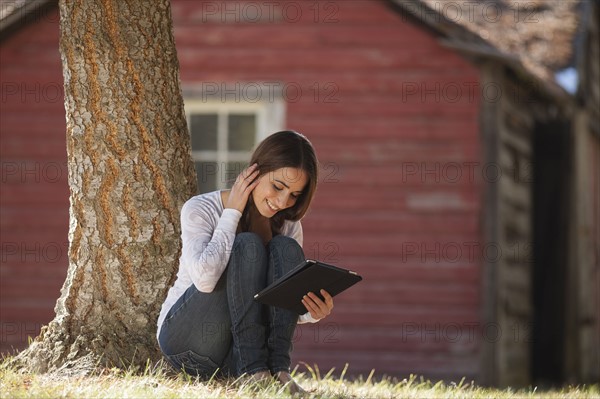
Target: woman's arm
[[206, 248]]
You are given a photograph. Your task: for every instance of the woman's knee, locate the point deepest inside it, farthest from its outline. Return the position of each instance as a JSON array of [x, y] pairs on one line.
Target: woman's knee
[[247, 237], [248, 247], [287, 248], [283, 241]]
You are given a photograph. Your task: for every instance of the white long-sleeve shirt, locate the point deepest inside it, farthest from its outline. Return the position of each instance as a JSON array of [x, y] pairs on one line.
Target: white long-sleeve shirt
[[207, 234]]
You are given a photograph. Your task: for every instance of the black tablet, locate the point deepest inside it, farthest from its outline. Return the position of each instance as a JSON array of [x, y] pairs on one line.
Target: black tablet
[[308, 276]]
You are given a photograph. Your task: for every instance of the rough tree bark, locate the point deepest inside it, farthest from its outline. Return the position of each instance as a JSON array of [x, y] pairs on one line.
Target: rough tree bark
[[129, 173]]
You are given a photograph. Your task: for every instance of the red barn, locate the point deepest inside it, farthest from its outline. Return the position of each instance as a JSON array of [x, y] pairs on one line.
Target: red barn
[[436, 135]]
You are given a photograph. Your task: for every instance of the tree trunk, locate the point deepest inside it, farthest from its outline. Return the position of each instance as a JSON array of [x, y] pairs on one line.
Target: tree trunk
[[130, 171]]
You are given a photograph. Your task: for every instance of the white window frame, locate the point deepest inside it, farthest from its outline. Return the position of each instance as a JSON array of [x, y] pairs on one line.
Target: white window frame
[[270, 117]]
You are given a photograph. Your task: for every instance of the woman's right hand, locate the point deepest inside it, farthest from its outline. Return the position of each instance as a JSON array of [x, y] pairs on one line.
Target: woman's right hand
[[241, 189]]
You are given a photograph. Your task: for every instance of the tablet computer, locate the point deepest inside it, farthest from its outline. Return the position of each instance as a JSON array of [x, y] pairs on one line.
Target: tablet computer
[[308, 276]]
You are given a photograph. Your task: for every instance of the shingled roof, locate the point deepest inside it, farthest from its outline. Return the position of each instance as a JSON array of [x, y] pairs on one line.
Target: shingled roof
[[536, 36], [541, 31], [14, 13]]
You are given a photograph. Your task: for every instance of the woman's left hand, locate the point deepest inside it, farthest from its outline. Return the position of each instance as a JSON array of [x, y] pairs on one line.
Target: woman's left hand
[[318, 309]]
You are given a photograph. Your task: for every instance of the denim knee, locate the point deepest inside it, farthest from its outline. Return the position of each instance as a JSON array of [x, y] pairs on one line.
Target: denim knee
[[287, 248], [247, 236], [249, 247]]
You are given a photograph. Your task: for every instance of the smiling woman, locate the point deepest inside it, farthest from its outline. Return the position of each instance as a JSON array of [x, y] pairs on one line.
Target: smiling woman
[[280, 190], [288, 166], [235, 243]]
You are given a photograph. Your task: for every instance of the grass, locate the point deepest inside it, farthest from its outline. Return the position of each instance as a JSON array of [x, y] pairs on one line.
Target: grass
[[160, 382]]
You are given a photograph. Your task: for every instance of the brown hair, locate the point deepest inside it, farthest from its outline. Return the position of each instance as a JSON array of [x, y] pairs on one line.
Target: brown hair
[[285, 149]]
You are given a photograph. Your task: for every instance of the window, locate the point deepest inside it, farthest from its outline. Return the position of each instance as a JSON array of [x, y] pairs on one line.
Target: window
[[225, 133]]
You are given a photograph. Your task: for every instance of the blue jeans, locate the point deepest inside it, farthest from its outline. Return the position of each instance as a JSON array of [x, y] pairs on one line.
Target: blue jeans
[[226, 332]]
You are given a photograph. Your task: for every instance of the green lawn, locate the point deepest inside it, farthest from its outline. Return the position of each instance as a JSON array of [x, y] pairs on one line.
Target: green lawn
[[159, 382]]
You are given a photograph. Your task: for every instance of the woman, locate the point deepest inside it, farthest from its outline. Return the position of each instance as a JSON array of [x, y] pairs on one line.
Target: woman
[[235, 243]]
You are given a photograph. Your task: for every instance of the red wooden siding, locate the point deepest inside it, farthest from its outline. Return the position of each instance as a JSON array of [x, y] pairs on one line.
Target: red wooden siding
[[34, 210], [385, 117], [417, 310]]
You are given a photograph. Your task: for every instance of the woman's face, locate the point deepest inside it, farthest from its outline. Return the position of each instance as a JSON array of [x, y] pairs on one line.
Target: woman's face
[[278, 190]]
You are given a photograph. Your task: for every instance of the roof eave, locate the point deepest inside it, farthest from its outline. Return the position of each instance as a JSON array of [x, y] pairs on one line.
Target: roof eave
[[22, 15], [469, 43]]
